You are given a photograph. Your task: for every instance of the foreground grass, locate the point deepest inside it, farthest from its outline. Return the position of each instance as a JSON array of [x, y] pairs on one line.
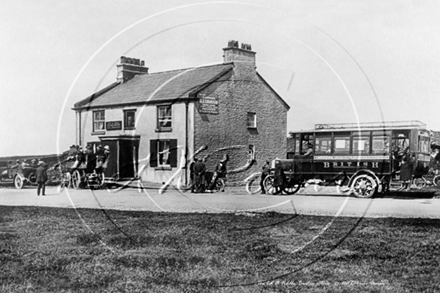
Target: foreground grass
[[63, 250]]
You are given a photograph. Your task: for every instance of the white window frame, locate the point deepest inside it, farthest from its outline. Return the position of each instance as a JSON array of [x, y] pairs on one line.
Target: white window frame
[[98, 120], [163, 117]]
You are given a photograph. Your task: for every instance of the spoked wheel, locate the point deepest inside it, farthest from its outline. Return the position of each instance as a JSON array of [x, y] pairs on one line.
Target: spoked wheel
[[268, 184], [101, 180], [18, 181], [420, 182], [32, 178], [76, 179], [364, 186], [436, 180], [293, 187], [219, 185], [253, 183], [66, 180]]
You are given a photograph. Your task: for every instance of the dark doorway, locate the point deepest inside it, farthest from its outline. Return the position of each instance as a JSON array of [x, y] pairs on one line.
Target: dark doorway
[[128, 158], [122, 162]]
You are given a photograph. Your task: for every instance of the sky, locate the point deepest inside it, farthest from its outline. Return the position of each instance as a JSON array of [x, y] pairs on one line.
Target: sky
[[332, 61]]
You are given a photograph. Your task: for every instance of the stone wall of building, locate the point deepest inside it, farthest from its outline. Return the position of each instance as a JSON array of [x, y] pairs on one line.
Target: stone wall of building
[[238, 93]]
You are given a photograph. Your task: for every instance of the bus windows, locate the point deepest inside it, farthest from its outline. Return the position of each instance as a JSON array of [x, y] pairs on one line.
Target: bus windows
[[424, 146], [306, 143], [400, 144], [342, 143], [361, 143], [323, 144], [381, 142]]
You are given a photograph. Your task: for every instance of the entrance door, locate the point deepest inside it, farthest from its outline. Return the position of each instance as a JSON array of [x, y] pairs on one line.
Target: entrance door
[[112, 159], [128, 158], [122, 162]]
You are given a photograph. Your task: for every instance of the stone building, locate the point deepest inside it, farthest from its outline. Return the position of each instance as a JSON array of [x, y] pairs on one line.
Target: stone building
[[155, 123]]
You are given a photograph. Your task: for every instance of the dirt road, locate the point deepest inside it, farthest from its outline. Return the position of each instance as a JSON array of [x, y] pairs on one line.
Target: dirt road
[[327, 202]]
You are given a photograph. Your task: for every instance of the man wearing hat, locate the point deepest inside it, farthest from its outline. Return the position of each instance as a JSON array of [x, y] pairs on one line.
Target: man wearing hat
[[41, 175], [279, 177]]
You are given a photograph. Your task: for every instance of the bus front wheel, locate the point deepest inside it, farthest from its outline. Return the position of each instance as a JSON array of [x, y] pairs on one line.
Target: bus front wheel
[[364, 186]]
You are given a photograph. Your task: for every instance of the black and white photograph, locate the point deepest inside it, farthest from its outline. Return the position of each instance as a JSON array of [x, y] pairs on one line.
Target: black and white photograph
[[219, 146]]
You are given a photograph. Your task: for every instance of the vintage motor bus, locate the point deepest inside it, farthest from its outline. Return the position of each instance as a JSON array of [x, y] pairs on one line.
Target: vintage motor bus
[[366, 156]]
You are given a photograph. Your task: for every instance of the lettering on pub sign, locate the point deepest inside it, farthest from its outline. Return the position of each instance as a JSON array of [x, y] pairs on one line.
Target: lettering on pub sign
[[208, 105], [113, 125]]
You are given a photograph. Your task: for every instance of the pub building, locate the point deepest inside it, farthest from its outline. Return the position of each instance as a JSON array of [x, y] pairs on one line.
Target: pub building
[[155, 123]]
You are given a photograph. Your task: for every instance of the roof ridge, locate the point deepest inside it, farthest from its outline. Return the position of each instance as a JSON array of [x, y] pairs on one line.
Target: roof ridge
[[188, 68]]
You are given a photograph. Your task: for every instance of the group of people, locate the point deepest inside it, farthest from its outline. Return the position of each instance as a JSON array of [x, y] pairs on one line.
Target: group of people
[[94, 159], [200, 181]]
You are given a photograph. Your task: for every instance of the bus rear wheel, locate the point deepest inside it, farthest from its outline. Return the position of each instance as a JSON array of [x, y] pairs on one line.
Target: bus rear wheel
[[364, 186]]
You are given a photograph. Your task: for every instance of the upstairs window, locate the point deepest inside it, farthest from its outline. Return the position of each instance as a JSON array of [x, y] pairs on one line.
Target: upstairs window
[[164, 118], [129, 119], [251, 120], [98, 120]]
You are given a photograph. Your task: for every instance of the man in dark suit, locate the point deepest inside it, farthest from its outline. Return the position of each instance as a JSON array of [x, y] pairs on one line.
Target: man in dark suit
[[41, 175], [199, 175]]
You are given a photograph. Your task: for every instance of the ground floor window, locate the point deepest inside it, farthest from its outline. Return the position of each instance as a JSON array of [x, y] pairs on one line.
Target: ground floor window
[[163, 153]]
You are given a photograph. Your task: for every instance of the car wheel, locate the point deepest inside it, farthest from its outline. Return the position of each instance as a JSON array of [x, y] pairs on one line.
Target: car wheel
[[18, 181]]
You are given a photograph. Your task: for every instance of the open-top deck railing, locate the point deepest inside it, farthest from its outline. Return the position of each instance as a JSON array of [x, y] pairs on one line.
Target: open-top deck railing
[[379, 125]]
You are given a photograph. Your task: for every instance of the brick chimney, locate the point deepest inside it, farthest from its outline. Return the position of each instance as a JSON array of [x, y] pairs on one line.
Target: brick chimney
[[244, 54], [130, 67]]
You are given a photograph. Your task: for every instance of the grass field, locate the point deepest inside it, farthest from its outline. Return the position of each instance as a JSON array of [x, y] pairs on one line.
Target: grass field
[[63, 250]]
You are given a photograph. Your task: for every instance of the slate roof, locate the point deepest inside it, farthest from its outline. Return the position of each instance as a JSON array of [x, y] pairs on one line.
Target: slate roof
[[156, 87]]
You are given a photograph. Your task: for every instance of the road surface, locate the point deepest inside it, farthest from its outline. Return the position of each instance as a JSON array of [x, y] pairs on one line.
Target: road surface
[[307, 202]]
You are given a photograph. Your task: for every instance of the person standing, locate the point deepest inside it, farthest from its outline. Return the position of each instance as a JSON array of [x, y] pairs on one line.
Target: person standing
[[199, 175], [279, 177], [265, 170], [405, 174], [219, 172], [41, 175], [192, 175]]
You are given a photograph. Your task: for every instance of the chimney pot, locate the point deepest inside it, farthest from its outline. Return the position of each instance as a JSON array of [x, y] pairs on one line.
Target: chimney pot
[[129, 68]]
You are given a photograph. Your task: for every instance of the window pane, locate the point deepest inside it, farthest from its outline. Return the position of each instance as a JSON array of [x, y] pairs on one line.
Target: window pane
[[342, 145], [129, 119], [164, 117], [381, 145], [163, 154], [323, 145], [361, 144], [251, 119], [98, 120]]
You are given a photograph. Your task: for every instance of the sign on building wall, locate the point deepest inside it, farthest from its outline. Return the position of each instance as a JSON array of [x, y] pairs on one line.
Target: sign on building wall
[[113, 125], [208, 105]]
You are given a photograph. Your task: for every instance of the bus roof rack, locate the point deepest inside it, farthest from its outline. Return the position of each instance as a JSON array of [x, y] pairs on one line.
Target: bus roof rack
[[382, 124]]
